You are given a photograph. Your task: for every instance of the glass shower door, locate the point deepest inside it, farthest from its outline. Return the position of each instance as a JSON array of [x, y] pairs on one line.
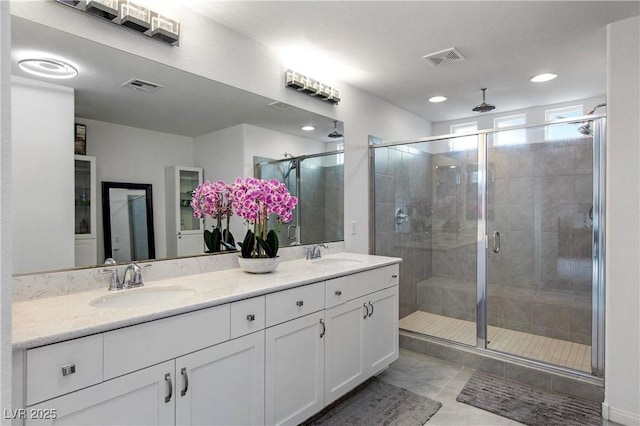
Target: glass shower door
[[539, 221]]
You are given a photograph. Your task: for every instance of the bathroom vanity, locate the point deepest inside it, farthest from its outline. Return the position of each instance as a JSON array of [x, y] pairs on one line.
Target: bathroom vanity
[[224, 347]]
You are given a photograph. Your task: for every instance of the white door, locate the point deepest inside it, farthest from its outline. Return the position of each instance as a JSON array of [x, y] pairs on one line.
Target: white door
[[144, 397], [381, 339], [223, 384], [294, 384], [344, 348], [190, 244]]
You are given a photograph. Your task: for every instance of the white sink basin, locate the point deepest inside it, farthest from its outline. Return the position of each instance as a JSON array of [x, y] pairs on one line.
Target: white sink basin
[[132, 298]]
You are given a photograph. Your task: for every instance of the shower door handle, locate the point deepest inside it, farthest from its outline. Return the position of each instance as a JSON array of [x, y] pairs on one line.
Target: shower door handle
[[496, 242], [290, 235]]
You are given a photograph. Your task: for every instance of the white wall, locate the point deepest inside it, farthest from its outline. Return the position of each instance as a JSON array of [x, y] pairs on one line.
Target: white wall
[[535, 115], [5, 210], [42, 183], [622, 349], [129, 154], [244, 63]]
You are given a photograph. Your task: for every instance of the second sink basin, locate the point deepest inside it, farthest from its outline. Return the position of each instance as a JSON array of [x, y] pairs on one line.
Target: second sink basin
[[141, 297]]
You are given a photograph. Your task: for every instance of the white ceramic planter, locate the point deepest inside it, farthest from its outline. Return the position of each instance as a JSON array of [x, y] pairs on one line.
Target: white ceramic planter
[[260, 265]]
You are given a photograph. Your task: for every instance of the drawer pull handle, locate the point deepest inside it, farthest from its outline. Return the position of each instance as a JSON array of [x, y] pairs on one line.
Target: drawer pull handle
[[167, 378], [366, 313], [324, 328], [185, 381], [338, 293], [68, 369], [300, 303], [394, 276], [251, 317], [371, 309]]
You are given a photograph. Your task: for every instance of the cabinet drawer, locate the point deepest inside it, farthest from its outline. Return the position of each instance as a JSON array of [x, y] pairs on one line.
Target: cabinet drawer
[[342, 289], [139, 346], [393, 274], [296, 302], [247, 316], [64, 367]]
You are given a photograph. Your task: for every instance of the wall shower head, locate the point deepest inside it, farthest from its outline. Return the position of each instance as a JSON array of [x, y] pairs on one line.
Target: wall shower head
[[585, 129], [483, 107], [595, 108]]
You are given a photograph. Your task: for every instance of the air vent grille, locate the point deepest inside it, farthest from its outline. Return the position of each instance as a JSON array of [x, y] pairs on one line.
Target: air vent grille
[[281, 106], [444, 57], [145, 86]]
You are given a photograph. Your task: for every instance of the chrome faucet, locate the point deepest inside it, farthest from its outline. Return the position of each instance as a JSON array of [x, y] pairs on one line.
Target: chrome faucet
[[135, 280], [314, 252]]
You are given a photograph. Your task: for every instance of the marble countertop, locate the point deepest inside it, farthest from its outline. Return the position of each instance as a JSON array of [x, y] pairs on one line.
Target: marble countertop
[[55, 319]]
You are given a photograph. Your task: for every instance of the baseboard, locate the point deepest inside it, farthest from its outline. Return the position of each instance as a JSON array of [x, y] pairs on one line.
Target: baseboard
[[619, 416]]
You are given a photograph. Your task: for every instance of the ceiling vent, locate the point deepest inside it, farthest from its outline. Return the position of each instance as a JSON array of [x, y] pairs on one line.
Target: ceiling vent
[[280, 106], [444, 57], [145, 86]]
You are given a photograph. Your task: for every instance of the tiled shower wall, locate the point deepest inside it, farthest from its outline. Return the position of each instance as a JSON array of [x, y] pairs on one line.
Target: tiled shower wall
[[403, 181], [539, 200], [322, 203]]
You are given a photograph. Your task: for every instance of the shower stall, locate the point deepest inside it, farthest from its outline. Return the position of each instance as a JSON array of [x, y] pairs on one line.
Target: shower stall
[[501, 235], [318, 182]]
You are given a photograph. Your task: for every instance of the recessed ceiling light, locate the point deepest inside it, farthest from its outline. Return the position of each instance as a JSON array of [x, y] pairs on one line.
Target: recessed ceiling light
[[308, 128], [541, 78], [50, 68], [436, 99]]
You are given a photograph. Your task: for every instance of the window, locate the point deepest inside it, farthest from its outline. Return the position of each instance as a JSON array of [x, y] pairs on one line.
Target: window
[[340, 157], [564, 130], [464, 143], [510, 137]]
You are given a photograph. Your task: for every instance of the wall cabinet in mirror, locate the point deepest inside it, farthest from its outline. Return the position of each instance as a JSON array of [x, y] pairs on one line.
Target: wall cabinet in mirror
[[184, 231], [86, 249]]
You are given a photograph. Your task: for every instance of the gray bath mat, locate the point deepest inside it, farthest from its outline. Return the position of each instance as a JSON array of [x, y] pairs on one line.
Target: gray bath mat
[[528, 405], [377, 403]]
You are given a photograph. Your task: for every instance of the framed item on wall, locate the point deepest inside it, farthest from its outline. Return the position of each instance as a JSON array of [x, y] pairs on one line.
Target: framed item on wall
[[81, 139]]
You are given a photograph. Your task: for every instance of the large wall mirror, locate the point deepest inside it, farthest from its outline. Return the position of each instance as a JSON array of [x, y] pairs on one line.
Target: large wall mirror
[[140, 134]]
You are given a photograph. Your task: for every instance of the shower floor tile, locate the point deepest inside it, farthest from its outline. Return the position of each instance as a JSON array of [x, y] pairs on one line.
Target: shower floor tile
[[540, 348]]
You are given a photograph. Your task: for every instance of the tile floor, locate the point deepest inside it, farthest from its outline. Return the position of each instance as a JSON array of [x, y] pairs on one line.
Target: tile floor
[[442, 381], [546, 349]]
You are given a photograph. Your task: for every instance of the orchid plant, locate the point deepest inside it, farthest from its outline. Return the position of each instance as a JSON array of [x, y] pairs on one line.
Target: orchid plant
[[255, 200], [213, 199]]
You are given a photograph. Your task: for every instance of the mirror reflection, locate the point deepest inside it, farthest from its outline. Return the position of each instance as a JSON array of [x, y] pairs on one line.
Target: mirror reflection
[[128, 221], [187, 122]]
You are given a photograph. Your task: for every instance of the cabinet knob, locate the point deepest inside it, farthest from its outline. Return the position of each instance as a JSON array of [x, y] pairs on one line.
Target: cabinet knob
[[68, 369], [251, 317], [299, 303], [338, 292]]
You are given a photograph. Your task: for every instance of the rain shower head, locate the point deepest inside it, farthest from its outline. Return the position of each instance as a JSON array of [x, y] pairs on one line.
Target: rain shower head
[[483, 107], [335, 133]]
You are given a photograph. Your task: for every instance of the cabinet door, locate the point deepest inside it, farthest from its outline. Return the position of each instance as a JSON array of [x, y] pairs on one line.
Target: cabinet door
[[381, 338], [344, 348], [294, 370], [145, 397], [223, 384]]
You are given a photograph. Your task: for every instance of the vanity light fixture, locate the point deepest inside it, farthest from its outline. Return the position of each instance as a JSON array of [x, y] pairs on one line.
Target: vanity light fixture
[[437, 99], [49, 68], [130, 14], [308, 128], [541, 78], [308, 85]]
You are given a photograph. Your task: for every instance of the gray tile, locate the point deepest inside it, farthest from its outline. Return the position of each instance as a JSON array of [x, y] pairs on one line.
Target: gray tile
[[580, 390], [526, 375], [556, 161], [486, 364], [521, 217], [521, 190], [584, 189], [557, 190], [550, 316], [384, 187]]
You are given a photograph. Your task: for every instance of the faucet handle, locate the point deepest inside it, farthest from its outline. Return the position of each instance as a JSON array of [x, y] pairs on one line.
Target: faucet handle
[[115, 279], [137, 274]]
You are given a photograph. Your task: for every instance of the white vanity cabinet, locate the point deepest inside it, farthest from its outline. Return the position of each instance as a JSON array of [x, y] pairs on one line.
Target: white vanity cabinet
[[361, 332], [273, 359], [144, 397]]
